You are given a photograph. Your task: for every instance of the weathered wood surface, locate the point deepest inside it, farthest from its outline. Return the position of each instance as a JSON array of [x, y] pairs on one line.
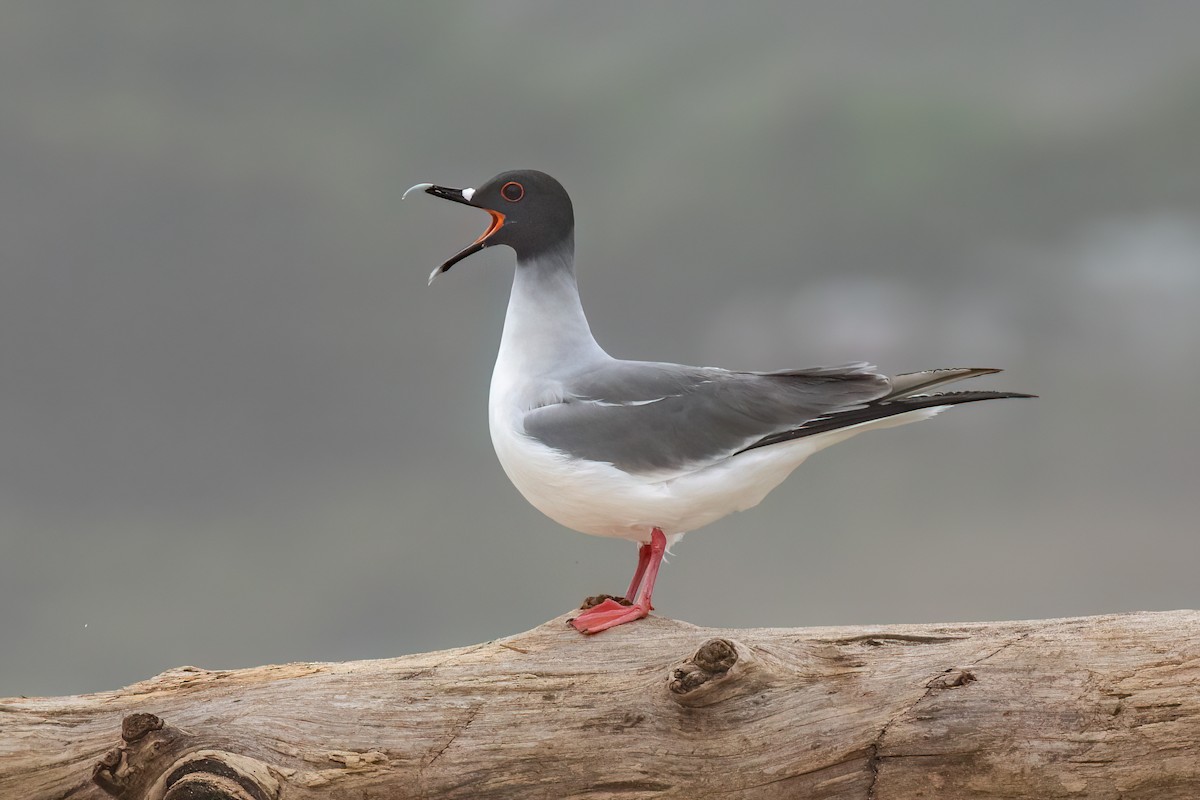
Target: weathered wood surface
[[1095, 707]]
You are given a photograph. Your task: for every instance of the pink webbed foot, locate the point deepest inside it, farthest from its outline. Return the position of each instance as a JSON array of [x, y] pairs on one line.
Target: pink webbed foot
[[608, 614], [595, 600]]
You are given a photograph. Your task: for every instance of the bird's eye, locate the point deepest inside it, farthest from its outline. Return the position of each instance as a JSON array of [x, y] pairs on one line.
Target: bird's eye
[[512, 191]]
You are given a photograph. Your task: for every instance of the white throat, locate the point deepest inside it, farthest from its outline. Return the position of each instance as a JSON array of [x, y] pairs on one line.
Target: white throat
[[545, 331]]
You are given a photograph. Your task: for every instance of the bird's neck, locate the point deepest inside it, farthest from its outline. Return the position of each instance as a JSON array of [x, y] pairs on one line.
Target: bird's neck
[[545, 330]]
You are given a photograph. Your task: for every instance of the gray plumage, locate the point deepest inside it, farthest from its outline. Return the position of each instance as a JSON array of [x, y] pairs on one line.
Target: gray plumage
[[645, 416]]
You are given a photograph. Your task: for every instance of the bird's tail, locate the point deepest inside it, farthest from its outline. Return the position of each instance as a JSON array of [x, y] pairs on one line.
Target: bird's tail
[[907, 395], [912, 382]]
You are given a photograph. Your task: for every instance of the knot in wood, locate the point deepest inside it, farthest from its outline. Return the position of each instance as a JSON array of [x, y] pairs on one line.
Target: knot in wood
[[136, 726], [201, 786], [218, 775], [104, 771], [716, 655], [110, 760], [714, 658], [147, 747]]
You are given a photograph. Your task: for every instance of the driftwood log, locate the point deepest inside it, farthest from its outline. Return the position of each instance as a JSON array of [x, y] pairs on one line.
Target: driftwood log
[[1095, 707]]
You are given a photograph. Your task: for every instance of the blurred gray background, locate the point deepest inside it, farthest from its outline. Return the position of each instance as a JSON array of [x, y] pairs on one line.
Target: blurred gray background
[[237, 428]]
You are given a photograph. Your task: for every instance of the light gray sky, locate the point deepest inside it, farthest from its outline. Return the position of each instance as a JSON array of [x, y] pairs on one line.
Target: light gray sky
[[237, 428]]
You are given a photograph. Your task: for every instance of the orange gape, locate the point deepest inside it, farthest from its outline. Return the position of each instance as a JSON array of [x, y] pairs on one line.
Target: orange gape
[[497, 224]]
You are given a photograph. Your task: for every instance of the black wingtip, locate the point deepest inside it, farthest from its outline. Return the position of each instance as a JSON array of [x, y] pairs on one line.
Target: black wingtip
[[880, 410]]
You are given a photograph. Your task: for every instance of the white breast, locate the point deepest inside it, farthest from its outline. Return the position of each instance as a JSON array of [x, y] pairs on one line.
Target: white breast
[[599, 499]]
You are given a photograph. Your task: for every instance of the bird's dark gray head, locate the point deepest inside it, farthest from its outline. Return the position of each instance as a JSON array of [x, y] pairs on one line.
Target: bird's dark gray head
[[531, 213]]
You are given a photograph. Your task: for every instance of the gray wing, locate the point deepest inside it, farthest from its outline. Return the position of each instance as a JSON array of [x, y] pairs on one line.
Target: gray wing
[[644, 416]]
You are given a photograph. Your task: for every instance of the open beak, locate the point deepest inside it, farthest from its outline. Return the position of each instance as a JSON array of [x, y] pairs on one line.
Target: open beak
[[460, 196]]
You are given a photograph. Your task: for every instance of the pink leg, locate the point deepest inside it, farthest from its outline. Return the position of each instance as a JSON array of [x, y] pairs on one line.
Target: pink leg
[[610, 613], [643, 560]]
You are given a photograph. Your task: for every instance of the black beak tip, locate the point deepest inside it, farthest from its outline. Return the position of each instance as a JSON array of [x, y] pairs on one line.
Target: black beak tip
[[447, 193], [444, 192]]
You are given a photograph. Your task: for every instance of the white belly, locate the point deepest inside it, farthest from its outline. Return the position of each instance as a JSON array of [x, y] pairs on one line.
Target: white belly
[[601, 500]]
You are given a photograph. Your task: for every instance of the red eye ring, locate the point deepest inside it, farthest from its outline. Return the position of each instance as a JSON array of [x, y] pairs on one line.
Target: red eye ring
[[512, 191]]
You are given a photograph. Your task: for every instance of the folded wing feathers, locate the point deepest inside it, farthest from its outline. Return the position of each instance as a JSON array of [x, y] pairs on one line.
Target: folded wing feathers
[[853, 368], [642, 417], [902, 398], [911, 382]]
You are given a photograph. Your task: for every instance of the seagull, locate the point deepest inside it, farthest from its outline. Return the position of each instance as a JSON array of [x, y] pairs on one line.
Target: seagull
[[646, 450]]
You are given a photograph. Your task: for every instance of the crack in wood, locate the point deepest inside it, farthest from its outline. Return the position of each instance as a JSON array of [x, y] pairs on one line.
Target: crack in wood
[[631, 786], [458, 730], [858, 755], [874, 757], [1003, 647], [876, 639]]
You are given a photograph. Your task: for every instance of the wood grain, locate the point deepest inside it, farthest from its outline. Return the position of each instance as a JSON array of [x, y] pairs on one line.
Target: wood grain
[[1095, 707]]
